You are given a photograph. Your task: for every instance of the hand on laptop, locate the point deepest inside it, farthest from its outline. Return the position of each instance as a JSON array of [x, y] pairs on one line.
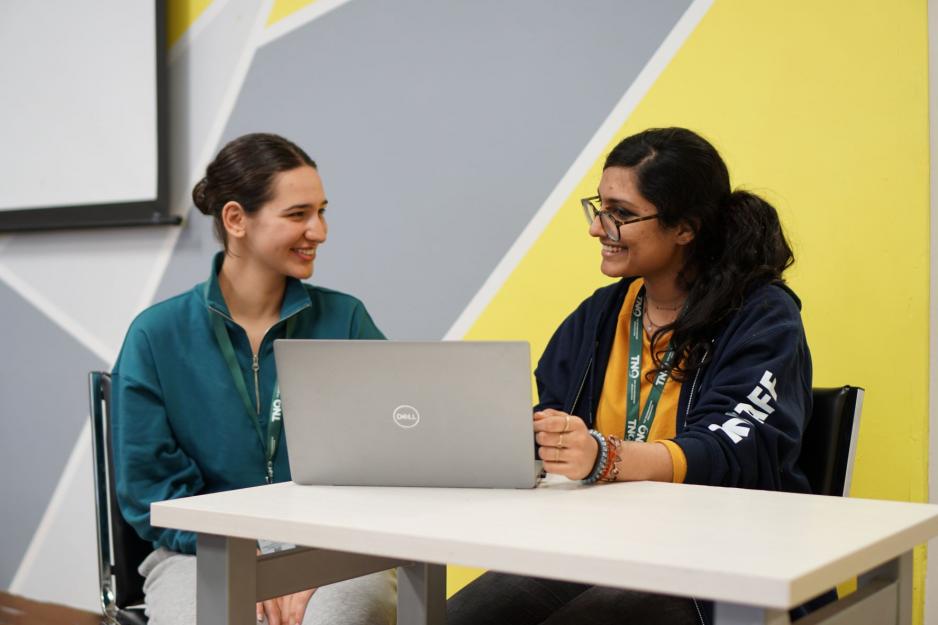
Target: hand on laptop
[[566, 446]]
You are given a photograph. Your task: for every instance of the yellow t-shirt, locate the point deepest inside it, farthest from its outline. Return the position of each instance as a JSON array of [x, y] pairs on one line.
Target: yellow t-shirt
[[610, 417]]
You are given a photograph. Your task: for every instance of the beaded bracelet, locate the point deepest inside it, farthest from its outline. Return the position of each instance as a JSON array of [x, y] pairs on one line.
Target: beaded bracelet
[[611, 472], [601, 458]]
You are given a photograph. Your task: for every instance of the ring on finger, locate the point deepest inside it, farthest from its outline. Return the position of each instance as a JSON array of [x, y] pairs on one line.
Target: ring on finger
[[560, 441], [557, 454], [566, 424]]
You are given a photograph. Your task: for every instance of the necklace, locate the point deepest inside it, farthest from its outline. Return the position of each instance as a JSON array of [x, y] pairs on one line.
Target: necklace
[[650, 324], [662, 307]]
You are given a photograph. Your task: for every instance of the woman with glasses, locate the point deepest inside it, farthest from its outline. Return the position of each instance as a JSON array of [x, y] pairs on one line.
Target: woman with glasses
[[195, 404], [692, 368]]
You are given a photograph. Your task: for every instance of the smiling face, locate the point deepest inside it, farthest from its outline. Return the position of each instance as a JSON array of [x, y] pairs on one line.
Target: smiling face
[[283, 235], [645, 248]]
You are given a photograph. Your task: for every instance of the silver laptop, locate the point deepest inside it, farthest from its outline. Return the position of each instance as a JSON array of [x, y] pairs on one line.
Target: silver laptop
[[395, 413]]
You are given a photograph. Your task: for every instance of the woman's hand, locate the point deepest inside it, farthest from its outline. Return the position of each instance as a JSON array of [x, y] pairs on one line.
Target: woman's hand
[[567, 447], [285, 610]]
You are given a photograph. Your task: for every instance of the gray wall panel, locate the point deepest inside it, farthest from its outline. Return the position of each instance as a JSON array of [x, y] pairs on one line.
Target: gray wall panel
[[440, 129], [43, 406], [191, 257]]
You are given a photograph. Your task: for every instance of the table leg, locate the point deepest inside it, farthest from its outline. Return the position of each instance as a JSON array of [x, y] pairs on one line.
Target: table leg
[[735, 614], [884, 595], [904, 579], [421, 594], [897, 571], [226, 575]]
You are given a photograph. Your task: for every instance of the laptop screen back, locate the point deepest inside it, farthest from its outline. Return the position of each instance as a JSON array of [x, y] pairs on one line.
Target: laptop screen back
[[388, 413]]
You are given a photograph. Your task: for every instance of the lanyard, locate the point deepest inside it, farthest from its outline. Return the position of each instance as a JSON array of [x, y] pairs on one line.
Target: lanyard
[[636, 427], [275, 422]]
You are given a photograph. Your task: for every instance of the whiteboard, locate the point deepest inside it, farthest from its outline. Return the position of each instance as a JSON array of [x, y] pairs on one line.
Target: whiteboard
[[79, 104]]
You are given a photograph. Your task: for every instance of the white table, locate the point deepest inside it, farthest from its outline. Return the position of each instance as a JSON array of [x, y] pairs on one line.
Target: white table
[[755, 553]]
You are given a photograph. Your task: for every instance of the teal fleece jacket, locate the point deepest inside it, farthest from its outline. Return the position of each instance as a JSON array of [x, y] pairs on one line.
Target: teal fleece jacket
[[179, 427]]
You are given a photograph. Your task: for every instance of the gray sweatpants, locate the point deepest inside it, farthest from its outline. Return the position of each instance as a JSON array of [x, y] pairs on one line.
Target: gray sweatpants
[[169, 587]]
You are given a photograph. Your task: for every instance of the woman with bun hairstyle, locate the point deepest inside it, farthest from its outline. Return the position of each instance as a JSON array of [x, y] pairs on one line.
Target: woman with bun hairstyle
[[692, 368], [194, 388]]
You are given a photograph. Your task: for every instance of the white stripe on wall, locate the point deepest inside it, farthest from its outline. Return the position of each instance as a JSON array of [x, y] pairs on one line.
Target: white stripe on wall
[[57, 315], [299, 18], [593, 150]]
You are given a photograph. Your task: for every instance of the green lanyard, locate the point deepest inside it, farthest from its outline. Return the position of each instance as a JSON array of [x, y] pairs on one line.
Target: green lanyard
[[637, 428], [276, 413]]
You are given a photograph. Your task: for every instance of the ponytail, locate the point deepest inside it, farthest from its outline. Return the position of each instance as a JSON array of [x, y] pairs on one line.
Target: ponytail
[[755, 247]]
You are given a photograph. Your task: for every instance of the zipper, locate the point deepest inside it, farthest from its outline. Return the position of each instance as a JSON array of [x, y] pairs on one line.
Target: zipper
[[690, 396], [256, 367], [693, 387], [586, 372], [229, 318], [255, 358], [690, 399]]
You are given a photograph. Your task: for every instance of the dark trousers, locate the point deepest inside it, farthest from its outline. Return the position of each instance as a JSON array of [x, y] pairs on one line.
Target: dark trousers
[[501, 599]]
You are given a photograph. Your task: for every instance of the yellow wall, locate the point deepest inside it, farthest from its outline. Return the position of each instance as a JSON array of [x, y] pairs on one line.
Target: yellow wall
[[822, 108]]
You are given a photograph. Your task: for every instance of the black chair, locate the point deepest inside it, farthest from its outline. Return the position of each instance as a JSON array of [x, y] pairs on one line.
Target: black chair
[[828, 446], [120, 548]]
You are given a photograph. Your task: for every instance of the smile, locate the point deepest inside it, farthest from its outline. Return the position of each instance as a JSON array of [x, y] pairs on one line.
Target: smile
[[305, 252], [612, 250]]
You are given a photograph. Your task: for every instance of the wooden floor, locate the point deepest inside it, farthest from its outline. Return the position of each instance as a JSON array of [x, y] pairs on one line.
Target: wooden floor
[[19, 611]]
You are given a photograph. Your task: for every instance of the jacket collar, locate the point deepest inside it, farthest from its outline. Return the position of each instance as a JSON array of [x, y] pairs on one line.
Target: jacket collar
[[295, 297], [784, 287]]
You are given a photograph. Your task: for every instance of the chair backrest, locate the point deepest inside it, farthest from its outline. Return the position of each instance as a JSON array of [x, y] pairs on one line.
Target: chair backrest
[[828, 446], [120, 548]]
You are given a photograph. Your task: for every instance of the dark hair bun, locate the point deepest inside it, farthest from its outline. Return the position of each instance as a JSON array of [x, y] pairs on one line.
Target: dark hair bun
[[199, 197]]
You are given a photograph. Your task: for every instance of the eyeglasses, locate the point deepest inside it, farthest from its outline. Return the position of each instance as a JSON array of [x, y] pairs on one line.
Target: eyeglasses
[[611, 222]]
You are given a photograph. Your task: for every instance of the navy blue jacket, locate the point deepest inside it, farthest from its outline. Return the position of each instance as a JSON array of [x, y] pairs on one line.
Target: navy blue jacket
[[740, 416]]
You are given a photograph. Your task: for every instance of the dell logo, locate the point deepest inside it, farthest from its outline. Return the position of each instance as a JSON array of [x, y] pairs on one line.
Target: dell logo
[[406, 416]]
